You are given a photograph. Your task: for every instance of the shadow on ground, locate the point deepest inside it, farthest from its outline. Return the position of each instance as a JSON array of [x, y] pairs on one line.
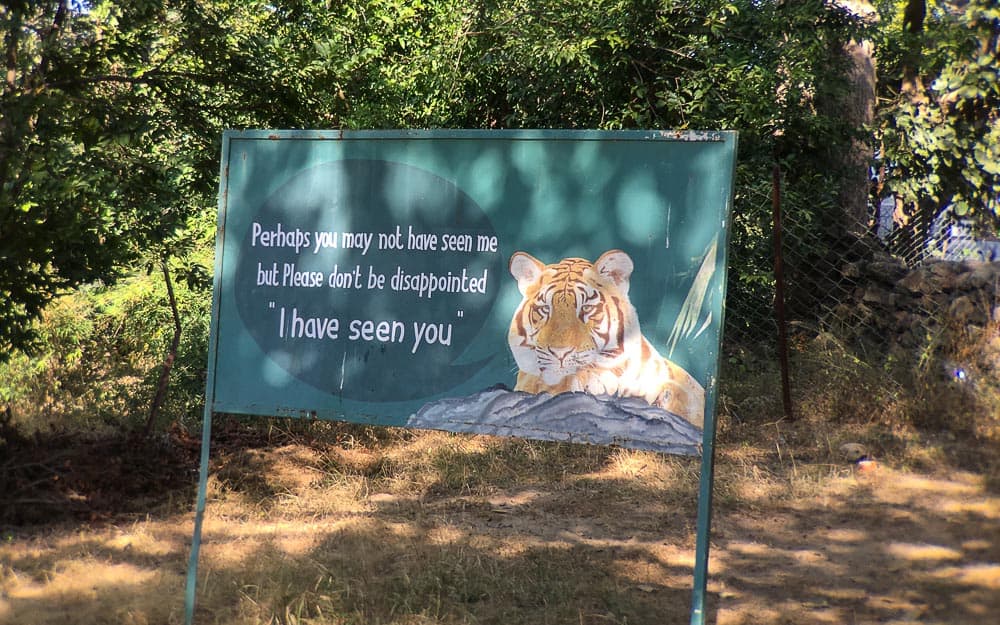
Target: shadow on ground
[[448, 529]]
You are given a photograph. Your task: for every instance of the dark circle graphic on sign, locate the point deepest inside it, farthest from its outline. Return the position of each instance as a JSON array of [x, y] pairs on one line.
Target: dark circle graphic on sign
[[369, 279]]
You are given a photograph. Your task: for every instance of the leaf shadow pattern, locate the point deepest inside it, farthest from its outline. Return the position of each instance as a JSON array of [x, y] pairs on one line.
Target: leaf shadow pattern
[[504, 531]]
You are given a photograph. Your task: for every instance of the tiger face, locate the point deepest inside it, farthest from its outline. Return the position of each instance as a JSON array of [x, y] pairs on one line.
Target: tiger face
[[570, 320], [576, 330]]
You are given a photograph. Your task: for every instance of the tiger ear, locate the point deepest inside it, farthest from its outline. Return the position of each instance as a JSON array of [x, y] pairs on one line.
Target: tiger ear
[[526, 269], [617, 266]]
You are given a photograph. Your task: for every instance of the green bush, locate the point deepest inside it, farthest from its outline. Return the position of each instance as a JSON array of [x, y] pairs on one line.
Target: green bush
[[99, 355]]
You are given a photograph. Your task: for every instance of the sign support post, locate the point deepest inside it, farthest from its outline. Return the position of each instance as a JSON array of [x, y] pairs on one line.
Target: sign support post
[[704, 529], [199, 516], [191, 583]]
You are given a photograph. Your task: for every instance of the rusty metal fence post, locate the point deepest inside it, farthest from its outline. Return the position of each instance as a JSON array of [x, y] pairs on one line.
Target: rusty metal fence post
[[779, 293]]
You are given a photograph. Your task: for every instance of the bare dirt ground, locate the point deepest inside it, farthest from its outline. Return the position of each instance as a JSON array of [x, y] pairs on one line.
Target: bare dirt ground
[[402, 527]]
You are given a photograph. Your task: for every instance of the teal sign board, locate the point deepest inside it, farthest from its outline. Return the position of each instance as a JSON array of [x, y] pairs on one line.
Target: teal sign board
[[465, 280], [558, 285]]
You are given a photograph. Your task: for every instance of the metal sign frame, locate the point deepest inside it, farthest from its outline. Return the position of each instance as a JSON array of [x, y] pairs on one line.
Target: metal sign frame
[[393, 173]]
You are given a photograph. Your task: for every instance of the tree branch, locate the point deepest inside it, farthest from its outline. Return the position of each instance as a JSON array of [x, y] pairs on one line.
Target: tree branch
[[913, 23], [48, 39], [168, 362], [10, 54], [149, 78]]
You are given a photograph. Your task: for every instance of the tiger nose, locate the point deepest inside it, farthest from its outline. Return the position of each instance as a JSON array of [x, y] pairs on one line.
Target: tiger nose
[[561, 352]]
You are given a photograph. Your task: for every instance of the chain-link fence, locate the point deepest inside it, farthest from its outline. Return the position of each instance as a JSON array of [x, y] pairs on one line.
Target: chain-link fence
[[896, 287], [902, 287], [891, 281]]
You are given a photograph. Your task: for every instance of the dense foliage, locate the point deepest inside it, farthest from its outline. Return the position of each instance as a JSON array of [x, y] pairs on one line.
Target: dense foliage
[[111, 114], [940, 114], [105, 145]]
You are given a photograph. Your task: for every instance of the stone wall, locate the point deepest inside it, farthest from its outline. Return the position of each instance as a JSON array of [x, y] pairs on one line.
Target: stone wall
[[905, 307]]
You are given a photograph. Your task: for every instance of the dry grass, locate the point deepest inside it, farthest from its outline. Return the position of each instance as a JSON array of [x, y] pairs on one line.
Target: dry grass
[[439, 528], [334, 524]]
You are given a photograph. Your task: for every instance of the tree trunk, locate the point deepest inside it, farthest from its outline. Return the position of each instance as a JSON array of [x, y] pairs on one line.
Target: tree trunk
[[168, 362], [857, 107], [913, 24]]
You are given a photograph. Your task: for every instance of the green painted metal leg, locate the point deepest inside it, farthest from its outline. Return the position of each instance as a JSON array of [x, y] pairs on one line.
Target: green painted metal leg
[[199, 515], [704, 530]]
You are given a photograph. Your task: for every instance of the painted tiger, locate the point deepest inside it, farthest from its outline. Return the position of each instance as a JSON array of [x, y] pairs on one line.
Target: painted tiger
[[576, 330]]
